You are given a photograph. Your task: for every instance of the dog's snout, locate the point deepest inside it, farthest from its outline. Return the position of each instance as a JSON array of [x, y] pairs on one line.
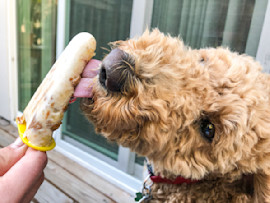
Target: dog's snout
[[113, 70]]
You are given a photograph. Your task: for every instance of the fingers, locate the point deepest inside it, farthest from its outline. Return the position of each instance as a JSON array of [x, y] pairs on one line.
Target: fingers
[[11, 154], [28, 170], [30, 195]]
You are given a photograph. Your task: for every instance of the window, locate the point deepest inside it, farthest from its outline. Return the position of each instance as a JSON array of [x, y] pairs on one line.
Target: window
[[45, 27], [107, 21]]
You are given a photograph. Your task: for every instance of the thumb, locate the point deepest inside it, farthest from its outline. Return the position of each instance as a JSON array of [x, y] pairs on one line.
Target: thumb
[[11, 154]]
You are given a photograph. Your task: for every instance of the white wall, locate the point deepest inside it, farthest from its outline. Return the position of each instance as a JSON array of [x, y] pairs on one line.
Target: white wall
[[4, 62], [8, 60], [263, 53]]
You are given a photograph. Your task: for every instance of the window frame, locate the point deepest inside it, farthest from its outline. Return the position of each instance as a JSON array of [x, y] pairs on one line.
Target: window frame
[[263, 51], [10, 82]]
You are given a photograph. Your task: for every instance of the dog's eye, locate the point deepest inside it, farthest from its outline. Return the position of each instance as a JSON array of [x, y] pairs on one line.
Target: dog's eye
[[207, 129]]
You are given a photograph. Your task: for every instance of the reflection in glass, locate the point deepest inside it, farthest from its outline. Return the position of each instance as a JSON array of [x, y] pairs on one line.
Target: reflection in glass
[[210, 23], [36, 45]]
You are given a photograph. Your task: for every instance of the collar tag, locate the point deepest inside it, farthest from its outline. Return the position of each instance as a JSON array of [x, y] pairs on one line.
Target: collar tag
[[145, 195]]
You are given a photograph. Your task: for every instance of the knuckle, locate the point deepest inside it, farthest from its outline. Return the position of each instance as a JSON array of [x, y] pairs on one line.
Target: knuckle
[[42, 158]]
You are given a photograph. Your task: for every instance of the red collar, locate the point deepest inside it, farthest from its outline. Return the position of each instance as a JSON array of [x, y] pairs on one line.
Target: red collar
[[178, 180], [159, 179]]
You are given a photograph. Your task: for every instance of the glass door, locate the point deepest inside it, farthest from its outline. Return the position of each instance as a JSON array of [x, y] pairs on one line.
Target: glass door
[[107, 20]]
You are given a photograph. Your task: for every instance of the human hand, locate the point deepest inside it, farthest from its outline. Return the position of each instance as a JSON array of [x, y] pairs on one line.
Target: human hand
[[21, 172]]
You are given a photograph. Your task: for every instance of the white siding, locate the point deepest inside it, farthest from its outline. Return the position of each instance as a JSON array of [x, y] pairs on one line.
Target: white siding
[[263, 53], [4, 63], [8, 60]]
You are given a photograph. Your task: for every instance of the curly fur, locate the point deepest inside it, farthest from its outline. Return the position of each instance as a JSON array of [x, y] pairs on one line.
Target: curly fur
[[173, 87]]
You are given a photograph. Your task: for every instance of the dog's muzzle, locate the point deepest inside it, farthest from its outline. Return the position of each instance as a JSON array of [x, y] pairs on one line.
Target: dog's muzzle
[[114, 70]]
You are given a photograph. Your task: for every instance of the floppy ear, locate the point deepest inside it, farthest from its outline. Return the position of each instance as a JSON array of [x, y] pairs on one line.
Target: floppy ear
[[261, 188]]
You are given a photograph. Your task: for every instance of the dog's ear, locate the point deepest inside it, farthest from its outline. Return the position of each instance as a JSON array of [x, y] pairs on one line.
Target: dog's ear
[[261, 188]]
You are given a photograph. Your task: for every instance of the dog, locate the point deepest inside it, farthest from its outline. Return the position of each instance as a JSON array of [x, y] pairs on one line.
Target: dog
[[199, 116]]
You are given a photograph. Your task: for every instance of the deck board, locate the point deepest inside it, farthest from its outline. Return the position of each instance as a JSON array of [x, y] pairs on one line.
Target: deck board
[[48, 193], [72, 186], [67, 181], [89, 177]]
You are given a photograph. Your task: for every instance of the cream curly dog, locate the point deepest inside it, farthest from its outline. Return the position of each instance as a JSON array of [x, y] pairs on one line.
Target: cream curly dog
[[202, 115]]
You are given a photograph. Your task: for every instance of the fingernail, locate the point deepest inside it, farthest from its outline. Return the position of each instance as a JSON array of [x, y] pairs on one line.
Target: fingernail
[[17, 143]]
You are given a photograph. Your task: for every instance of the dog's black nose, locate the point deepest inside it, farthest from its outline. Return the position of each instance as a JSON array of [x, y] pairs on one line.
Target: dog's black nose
[[114, 70]]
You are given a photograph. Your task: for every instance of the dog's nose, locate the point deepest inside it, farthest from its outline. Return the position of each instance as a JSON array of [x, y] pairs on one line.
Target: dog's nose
[[112, 74]]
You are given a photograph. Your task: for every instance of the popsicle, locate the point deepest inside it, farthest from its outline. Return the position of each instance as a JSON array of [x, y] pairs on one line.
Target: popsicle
[[44, 112]]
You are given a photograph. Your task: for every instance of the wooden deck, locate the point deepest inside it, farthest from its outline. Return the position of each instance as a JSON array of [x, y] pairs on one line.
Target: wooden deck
[[66, 180]]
